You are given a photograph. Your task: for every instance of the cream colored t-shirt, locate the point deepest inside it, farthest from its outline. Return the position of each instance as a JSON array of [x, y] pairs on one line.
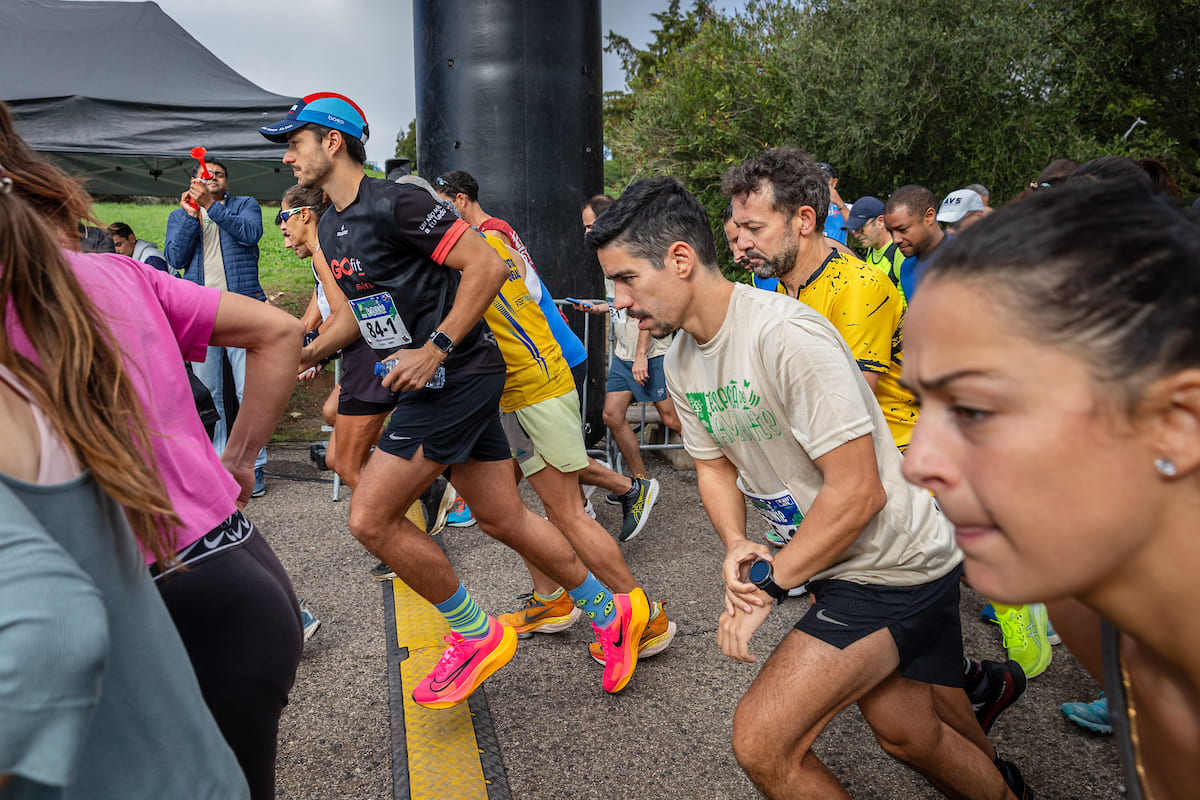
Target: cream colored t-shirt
[[626, 331], [776, 388], [214, 262]]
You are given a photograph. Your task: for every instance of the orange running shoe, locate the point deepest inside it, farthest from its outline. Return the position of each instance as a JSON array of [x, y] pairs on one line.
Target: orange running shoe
[[464, 665], [542, 616], [619, 641]]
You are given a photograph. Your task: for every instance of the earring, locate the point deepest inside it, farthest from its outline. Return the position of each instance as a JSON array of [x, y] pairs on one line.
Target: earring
[[1165, 467]]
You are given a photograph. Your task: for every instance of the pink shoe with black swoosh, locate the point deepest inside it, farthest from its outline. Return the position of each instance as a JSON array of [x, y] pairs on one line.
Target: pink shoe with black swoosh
[[464, 665], [619, 641]]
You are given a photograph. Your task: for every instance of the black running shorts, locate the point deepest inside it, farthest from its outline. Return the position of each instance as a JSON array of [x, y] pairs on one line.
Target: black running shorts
[[459, 421], [923, 620]]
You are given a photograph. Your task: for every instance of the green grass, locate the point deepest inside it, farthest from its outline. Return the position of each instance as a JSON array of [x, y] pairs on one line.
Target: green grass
[[285, 278], [278, 268]]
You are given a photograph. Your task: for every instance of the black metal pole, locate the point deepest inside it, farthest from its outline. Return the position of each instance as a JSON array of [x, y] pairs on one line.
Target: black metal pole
[[511, 91]]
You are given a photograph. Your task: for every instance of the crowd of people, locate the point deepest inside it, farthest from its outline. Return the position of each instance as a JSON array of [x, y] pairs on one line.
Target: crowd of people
[[1004, 397]]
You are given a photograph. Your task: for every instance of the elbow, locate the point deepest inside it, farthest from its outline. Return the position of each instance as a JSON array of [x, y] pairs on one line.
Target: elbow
[[873, 500]]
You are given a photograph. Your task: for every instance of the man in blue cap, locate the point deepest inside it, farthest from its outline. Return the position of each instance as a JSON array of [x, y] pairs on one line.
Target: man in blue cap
[[417, 280], [865, 221]]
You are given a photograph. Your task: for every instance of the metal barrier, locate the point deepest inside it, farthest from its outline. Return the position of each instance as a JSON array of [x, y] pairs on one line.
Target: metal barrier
[[611, 453]]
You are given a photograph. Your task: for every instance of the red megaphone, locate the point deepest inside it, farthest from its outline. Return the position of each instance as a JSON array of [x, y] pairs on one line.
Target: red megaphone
[[198, 153]]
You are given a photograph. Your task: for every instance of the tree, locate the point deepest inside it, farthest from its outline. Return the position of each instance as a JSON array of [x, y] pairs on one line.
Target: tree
[[406, 144], [937, 92]]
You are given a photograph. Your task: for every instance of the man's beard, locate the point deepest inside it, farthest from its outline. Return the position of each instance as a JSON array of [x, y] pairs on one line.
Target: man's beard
[[315, 177], [765, 267], [658, 329]]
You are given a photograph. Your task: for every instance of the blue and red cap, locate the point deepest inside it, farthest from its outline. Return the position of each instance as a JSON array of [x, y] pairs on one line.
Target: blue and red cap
[[323, 108]]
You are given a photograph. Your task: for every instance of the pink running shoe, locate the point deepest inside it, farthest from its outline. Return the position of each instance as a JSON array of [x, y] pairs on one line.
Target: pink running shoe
[[619, 641], [466, 664]]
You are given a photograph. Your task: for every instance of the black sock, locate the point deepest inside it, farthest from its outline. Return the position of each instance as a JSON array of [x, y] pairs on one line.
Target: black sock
[[975, 679]]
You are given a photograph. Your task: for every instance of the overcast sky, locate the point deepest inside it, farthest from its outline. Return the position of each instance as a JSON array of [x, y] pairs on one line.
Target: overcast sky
[[359, 48]]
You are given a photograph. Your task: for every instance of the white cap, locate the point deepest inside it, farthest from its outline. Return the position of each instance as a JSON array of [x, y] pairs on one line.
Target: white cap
[[958, 204]]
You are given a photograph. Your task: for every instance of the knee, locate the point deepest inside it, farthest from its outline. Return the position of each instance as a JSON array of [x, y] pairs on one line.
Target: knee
[[366, 527], [612, 417], [759, 753]]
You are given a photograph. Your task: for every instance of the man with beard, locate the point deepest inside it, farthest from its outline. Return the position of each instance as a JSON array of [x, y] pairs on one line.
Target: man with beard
[[779, 203]]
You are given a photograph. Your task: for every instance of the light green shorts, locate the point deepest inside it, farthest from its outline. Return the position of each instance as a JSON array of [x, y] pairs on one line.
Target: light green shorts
[[547, 433]]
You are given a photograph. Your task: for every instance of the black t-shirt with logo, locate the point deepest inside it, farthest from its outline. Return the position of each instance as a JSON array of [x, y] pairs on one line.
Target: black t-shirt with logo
[[386, 251]]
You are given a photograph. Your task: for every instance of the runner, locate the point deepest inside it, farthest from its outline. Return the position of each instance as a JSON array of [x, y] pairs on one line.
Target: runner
[[545, 433], [418, 280], [774, 408], [1055, 351], [636, 495]]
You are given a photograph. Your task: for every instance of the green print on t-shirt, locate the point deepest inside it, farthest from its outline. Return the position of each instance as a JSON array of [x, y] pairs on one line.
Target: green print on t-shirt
[[731, 413]]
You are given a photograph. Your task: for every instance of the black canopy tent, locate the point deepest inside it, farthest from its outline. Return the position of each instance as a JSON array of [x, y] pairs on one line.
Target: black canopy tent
[[119, 93]]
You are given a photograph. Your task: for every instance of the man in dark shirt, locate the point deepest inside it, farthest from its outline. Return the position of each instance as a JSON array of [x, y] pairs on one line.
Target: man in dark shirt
[[417, 280]]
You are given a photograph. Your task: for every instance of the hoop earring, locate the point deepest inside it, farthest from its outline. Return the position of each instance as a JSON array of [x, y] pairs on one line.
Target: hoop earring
[[1165, 467]]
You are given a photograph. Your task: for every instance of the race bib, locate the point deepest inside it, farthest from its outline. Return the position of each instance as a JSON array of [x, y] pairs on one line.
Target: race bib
[[779, 510], [379, 322], [615, 315]]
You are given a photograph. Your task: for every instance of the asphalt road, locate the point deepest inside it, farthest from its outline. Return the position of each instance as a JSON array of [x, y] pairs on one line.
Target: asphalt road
[[665, 736]]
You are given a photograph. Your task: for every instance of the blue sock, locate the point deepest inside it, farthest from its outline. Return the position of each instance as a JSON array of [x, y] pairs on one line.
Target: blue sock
[[465, 618], [595, 600]]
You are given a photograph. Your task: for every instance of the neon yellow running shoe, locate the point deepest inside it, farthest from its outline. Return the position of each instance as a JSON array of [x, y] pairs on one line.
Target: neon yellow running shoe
[[1024, 629]]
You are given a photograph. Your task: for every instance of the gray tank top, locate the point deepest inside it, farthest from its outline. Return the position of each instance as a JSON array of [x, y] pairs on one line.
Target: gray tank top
[[151, 734]]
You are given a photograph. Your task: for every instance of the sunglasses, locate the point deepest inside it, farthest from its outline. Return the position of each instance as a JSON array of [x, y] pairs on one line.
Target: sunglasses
[[285, 215]]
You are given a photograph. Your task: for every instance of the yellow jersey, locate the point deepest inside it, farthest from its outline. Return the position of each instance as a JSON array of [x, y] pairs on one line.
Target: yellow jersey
[[536, 369], [868, 311]]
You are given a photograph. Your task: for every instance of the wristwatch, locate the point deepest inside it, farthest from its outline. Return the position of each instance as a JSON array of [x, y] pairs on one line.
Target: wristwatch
[[442, 342], [762, 575]]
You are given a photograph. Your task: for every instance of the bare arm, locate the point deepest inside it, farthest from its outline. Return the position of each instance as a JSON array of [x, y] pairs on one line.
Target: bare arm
[[872, 378], [726, 508], [850, 497], [271, 338]]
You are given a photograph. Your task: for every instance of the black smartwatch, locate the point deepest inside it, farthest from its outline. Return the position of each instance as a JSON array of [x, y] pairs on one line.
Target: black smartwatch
[[762, 575], [442, 342]]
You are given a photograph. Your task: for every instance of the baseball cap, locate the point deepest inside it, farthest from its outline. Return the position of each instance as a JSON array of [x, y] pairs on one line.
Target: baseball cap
[[323, 108], [827, 168], [958, 204], [862, 211]]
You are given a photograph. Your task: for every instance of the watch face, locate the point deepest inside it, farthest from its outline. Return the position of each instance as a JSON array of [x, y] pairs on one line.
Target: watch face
[[760, 571]]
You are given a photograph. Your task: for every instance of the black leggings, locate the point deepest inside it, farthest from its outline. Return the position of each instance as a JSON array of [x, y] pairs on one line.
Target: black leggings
[[240, 621]]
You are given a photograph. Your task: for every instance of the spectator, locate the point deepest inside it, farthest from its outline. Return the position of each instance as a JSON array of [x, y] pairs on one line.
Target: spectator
[[911, 219], [635, 372], [127, 244], [212, 238]]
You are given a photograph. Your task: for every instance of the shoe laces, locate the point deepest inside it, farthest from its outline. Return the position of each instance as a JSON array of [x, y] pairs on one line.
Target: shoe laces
[[452, 655], [605, 641], [1014, 629]]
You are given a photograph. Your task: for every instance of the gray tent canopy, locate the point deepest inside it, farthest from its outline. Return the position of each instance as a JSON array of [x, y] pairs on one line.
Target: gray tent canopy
[[119, 93]]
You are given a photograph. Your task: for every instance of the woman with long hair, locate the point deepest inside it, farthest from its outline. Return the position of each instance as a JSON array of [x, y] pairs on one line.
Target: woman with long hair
[[98, 696], [1055, 350], [229, 597]]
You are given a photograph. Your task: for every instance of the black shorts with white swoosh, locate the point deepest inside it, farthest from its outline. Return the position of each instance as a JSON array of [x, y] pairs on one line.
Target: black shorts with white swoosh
[[923, 620]]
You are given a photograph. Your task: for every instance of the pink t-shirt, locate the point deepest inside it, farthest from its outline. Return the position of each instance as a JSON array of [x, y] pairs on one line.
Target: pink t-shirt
[[159, 321]]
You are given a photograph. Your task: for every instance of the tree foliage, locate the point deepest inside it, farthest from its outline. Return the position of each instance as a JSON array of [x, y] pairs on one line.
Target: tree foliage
[[406, 144], [938, 92]]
